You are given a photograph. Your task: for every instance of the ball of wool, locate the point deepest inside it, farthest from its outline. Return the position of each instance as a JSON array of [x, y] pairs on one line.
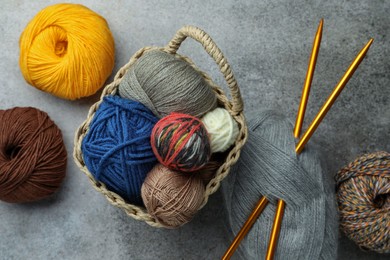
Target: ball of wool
[[363, 194], [222, 129], [67, 50], [167, 84], [180, 142], [268, 166], [207, 173], [32, 155], [172, 198], [117, 150]]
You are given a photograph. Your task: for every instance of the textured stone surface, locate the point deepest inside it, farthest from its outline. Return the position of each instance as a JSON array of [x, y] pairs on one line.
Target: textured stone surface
[[268, 44]]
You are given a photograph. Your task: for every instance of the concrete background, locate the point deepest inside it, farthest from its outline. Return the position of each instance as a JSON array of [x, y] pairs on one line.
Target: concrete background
[[268, 44]]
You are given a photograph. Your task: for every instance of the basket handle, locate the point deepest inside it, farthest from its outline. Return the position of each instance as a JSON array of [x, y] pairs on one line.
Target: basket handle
[[212, 49]]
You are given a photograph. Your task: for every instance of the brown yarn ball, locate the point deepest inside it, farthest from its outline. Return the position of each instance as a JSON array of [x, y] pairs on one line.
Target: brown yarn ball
[[172, 198], [363, 194], [32, 155], [207, 173]]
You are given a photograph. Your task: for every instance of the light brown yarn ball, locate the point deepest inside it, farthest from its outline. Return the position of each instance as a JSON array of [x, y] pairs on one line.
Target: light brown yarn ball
[[172, 198]]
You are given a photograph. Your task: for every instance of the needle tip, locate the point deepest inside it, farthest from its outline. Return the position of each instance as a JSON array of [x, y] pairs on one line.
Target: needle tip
[[296, 133], [320, 26], [368, 45]]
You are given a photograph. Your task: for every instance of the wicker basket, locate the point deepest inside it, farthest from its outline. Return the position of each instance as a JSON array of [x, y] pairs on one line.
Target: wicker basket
[[234, 106]]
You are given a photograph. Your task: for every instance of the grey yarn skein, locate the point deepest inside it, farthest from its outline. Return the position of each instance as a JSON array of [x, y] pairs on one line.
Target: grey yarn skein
[[268, 166], [167, 84]]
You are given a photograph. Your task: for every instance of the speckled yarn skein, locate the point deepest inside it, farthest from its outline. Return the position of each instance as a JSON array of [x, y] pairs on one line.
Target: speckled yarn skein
[[268, 166], [180, 142], [166, 84], [363, 194], [32, 155], [67, 50], [116, 148], [172, 198]]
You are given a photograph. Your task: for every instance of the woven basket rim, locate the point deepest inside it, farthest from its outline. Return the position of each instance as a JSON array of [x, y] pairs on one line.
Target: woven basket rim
[[135, 211]]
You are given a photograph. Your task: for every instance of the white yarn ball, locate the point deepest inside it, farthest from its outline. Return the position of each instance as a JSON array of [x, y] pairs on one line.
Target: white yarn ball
[[222, 129]]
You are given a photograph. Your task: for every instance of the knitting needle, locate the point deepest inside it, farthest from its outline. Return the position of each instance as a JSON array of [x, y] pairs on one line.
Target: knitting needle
[[298, 125], [273, 240], [297, 131], [308, 80], [246, 227], [281, 204], [332, 98]]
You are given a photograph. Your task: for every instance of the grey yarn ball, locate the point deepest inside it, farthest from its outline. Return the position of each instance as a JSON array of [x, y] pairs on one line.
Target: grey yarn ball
[[268, 166], [167, 84]]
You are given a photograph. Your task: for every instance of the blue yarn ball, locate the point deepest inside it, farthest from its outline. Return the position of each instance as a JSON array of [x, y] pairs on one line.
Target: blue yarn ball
[[117, 149]]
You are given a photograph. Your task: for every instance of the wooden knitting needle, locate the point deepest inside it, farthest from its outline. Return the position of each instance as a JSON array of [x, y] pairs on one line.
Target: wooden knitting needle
[[246, 227], [273, 240], [332, 98], [308, 80]]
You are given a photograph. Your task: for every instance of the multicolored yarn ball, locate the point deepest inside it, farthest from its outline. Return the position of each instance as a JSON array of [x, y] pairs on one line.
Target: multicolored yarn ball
[[116, 148], [172, 198], [363, 195], [32, 155], [180, 142], [222, 129], [67, 50], [166, 84]]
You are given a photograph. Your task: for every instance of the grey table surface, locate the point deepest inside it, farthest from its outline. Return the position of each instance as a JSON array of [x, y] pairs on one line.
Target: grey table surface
[[268, 44]]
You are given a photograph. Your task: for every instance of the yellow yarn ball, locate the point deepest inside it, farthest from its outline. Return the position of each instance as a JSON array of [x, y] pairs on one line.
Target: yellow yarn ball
[[67, 50]]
